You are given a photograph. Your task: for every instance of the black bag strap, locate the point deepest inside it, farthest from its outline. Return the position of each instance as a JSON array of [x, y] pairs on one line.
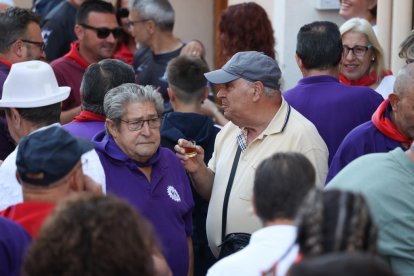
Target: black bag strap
[[227, 194]]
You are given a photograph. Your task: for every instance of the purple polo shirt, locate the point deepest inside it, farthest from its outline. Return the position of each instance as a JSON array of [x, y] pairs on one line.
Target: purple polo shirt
[[6, 142], [13, 242], [166, 200], [4, 72], [362, 140], [334, 108], [84, 130]]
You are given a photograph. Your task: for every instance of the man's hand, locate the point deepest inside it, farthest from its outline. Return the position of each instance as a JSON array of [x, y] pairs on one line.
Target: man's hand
[[193, 48], [191, 164]]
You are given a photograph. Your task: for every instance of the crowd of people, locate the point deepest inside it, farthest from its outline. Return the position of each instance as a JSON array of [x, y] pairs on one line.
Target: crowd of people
[[116, 159]]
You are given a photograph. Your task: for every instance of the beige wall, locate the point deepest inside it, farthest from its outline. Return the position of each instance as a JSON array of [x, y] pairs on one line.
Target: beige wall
[[23, 3], [194, 20]]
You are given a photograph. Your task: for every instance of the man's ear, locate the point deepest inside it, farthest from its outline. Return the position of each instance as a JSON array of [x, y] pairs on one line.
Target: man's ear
[[15, 118], [170, 92], [258, 90], [17, 48], [79, 31], [76, 180], [111, 128], [394, 100], [299, 62], [150, 26]]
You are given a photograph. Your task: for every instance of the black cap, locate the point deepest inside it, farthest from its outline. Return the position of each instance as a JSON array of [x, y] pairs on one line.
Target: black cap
[[46, 156]]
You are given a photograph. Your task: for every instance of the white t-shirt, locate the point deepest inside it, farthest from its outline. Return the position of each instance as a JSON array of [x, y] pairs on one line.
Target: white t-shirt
[[386, 86], [267, 245], [11, 191]]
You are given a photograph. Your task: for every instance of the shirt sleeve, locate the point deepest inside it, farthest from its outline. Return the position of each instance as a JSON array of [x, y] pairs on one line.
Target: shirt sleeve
[[91, 166]]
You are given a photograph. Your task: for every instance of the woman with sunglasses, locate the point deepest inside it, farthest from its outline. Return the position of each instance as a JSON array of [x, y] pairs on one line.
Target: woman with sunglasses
[[363, 59]]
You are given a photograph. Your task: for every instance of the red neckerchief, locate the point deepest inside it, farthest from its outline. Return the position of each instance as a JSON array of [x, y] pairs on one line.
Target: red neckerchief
[[74, 54], [30, 215], [124, 54], [87, 116], [385, 126], [365, 80], [5, 62]]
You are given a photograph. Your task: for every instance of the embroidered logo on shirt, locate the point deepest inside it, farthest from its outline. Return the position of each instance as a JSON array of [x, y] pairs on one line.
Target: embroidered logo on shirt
[[172, 192]]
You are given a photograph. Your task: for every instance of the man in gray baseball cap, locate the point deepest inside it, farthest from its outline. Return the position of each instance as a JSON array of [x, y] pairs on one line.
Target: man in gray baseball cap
[[261, 124]]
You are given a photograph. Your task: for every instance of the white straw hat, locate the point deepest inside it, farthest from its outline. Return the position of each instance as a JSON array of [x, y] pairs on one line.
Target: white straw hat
[[32, 84]]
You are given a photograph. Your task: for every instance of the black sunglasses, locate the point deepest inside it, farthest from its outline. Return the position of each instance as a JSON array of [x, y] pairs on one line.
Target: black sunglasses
[[104, 32]]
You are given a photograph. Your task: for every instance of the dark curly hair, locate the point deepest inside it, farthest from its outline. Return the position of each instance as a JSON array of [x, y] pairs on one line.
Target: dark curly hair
[[92, 235], [335, 221], [245, 27]]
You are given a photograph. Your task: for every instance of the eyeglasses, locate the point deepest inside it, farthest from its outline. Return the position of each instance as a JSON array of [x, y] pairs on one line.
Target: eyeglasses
[[131, 23], [139, 124], [41, 45], [357, 50], [104, 32]]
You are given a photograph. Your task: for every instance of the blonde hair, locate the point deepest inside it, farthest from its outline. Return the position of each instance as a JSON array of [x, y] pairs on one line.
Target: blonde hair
[[363, 27]]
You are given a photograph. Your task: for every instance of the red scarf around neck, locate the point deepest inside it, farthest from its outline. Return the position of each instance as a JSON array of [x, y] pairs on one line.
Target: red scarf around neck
[[74, 54], [365, 80], [87, 116], [7, 63], [385, 126]]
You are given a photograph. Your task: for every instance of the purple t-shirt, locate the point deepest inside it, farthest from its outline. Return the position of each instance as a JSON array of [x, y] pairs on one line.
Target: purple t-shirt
[[166, 201], [362, 140], [13, 242], [84, 130], [334, 108]]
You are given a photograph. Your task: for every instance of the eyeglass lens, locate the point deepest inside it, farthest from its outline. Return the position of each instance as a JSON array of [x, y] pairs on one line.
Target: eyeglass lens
[[356, 50]]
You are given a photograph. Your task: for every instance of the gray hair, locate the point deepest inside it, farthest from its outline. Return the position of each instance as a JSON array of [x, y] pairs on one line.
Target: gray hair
[[270, 92], [116, 99], [160, 11], [404, 80], [13, 26]]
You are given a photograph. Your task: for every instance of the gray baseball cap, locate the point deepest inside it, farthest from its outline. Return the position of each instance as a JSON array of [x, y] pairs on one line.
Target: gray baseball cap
[[251, 66]]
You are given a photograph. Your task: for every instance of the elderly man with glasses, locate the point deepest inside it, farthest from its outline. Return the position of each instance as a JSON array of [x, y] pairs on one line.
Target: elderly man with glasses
[[97, 31], [20, 40], [148, 176]]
